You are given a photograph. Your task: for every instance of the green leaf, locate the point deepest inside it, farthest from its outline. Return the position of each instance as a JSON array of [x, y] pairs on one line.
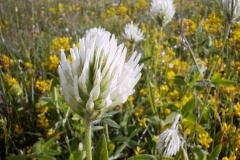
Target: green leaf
[[132, 144], [142, 157], [179, 80], [19, 157], [225, 82], [43, 157], [154, 120], [200, 153], [76, 153], [101, 152], [110, 122], [76, 117], [48, 143], [145, 59], [218, 80], [193, 79], [215, 153], [170, 118], [188, 106], [191, 117], [151, 99], [51, 152], [216, 77], [194, 126]]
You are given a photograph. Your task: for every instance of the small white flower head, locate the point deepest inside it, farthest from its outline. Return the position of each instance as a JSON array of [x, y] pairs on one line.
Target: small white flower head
[[133, 33], [98, 78], [169, 142], [162, 11], [231, 10]]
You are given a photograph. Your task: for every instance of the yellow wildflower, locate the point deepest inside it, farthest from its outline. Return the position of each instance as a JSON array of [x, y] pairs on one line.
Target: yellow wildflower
[[54, 62], [138, 150], [142, 122], [226, 128], [164, 88], [167, 112], [205, 140], [189, 26], [138, 111], [131, 99], [187, 131], [236, 109], [143, 91], [42, 121], [18, 130], [6, 62], [213, 24], [170, 74], [52, 131], [43, 86], [27, 65], [59, 43], [174, 95], [121, 9]]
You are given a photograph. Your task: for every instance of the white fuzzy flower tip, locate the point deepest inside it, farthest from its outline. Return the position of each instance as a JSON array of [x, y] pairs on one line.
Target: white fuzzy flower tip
[[133, 33], [168, 143], [231, 10], [162, 11], [98, 78]]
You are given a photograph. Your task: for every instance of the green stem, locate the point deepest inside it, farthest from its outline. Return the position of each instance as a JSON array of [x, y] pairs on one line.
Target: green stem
[[88, 139]]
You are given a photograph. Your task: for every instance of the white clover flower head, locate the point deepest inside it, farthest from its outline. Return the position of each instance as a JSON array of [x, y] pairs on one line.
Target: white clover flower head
[[162, 11], [98, 78], [133, 33], [231, 10], [169, 142]]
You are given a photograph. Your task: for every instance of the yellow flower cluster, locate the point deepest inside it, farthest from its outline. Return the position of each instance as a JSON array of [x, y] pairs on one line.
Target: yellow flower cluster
[[140, 5], [164, 88], [51, 132], [42, 121], [53, 64], [43, 86], [213, 24], [142, 122], [189, 26], [138, 111], [174, 95], [143, 92], [138, 150], [119, 10], [234, 40], [131, 99], [27, 65], [237, 66], [236, 109], [226, 128], [231, 157], [59, 43], [10, 80], [205, 140], [6, 62], [18, 130]]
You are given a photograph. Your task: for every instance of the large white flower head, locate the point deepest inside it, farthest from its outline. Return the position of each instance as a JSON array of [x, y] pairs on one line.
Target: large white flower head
[[162, 11], [98, 78], [231, 10], [133, 33], [169, 141]]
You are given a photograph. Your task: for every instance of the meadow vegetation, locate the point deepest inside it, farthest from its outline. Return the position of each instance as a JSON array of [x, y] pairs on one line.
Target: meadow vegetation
[[191, 68]]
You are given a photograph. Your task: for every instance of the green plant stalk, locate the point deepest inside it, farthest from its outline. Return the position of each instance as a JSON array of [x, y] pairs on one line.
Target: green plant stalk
[[106, 132], [88, 138]]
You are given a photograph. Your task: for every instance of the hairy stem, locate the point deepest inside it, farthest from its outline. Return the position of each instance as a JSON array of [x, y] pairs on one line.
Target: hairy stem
[[88, 139]]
